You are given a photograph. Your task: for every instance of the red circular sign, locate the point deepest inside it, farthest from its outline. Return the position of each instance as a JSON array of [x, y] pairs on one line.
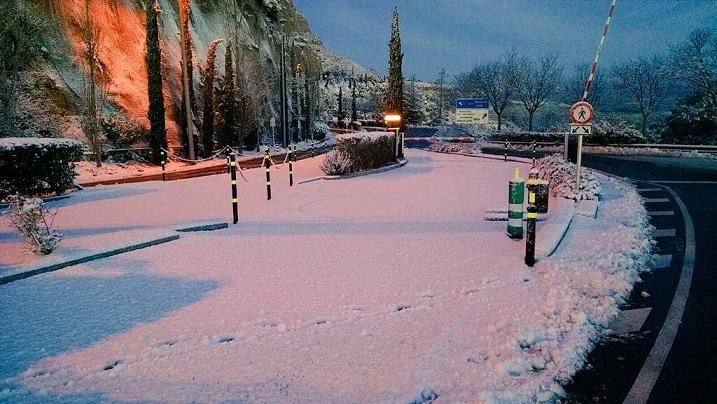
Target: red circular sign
[[581, 113]]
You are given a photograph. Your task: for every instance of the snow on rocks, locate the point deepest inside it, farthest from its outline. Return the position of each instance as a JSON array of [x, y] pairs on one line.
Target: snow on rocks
[[336, 291]]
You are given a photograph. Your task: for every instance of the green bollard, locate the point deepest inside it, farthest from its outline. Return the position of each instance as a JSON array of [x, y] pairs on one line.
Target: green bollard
[[516, 195]]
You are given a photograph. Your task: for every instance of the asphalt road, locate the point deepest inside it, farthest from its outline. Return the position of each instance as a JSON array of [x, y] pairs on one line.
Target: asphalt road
[[676, 346], [664, 349]]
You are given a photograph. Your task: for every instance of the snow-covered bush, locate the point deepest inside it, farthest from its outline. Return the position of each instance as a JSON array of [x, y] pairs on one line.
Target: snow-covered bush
[[319, 130], [34, 222], [455, 148], [124, 130], [367, 150], [37, 166], [336, 163], [611, 129], [561, 175]]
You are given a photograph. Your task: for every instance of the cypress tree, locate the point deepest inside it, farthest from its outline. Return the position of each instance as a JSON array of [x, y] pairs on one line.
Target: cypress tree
[[187, 48], [209, 74], [157, 131], [394, 91], [229, 136], [341, 107], [354, 112]]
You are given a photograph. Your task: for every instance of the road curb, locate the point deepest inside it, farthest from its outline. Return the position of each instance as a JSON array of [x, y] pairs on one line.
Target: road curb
[[27, 272], [550, 235], [164, 237]]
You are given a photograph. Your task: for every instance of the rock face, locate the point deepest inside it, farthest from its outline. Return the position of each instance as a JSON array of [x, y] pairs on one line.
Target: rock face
[[121, 25]]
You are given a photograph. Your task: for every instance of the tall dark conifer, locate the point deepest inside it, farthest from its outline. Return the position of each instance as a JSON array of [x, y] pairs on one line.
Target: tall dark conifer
[[394, 91], [354, 112], [157, 131], [229, 133], [187, 47], [208, 76], [341, 107]]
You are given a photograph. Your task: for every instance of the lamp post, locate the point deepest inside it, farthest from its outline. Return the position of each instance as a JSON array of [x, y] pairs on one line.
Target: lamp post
[[393, 121]]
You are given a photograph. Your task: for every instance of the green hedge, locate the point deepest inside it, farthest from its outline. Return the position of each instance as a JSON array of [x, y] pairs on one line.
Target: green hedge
[[367, 150], [37, 166]]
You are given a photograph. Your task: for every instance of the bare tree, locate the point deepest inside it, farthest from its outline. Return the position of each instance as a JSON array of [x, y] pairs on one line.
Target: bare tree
[[646, 81], [494, 80], [695, 62], [574, 85], [536, 83], [93, 96]]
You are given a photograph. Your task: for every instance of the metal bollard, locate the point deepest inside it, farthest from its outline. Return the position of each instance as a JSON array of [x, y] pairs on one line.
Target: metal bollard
[[291, 165], [516, 195], [505, 152], [164, 162], [542, 196], [233, 174], [312, 148], [530, 232], [533, 147], [267, 165]]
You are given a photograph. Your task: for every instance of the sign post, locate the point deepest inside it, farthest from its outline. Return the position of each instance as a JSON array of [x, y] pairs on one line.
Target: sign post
[[472, 111], [581, 114]]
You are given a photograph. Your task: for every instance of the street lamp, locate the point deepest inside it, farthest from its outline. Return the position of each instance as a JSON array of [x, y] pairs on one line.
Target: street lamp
[[393, 121]]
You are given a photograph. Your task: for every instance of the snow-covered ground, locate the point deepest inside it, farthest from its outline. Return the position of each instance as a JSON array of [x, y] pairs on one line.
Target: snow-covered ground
[[383, 288]]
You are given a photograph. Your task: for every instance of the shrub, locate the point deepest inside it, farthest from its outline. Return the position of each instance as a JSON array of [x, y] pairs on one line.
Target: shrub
[[123, 130], [34, 222], [37, 166], [561, 175], [367, 150], [611, 129], [336, 163], [319, 130]]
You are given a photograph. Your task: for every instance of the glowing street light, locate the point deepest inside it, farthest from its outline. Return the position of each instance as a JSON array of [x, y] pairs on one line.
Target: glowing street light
[[393, 121]]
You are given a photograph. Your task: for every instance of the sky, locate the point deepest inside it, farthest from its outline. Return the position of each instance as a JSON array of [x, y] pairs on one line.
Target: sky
[[458, 34]]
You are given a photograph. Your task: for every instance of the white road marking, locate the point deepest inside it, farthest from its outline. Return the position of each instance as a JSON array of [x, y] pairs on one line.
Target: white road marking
[[660, 213], [655, 200], [645, 381], [648, 189], [665, 233], [630, 321], [685, 182], [663, 261]]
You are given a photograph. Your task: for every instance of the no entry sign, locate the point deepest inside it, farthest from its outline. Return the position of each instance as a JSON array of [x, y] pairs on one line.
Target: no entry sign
[[581, 113]]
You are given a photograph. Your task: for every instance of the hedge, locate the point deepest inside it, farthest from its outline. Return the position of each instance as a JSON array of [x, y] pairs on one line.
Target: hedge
[[37, 166], [367, 150]]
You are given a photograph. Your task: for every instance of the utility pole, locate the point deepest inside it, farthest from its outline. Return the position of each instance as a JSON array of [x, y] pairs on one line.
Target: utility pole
[[185, 78]]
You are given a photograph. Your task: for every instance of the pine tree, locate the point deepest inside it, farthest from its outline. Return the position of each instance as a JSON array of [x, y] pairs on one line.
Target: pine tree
[[354, 112], [229, 135], [394, 91], [208, 75], [157, 131]]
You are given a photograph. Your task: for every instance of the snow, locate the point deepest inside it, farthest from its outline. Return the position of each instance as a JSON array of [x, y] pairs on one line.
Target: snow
[[9, 143], [382, 288]]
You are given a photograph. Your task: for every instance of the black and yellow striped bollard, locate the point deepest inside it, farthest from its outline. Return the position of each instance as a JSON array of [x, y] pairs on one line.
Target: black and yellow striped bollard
[[267, 165], [291, 164], [233, 174], [530, 230], [164, 163], [505, 152], [533, 147]]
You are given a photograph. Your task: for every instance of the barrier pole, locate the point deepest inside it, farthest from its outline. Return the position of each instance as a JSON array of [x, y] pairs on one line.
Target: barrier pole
[[530, 230], [267, 165], [233, 176], [164, 162]]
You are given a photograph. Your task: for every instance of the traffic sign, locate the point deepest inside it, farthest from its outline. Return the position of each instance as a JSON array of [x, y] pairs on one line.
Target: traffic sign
[[472, 103], [576, 129], [472, 110], [581, 113]]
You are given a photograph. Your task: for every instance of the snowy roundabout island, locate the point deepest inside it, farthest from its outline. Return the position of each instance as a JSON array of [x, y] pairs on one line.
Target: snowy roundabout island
[[383, 288]]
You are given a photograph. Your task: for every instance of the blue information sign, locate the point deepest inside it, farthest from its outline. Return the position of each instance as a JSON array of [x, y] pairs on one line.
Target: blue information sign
[[472, 103]]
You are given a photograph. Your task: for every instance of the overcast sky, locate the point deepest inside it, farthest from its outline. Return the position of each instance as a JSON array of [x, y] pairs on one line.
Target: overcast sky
[[457, 34]]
